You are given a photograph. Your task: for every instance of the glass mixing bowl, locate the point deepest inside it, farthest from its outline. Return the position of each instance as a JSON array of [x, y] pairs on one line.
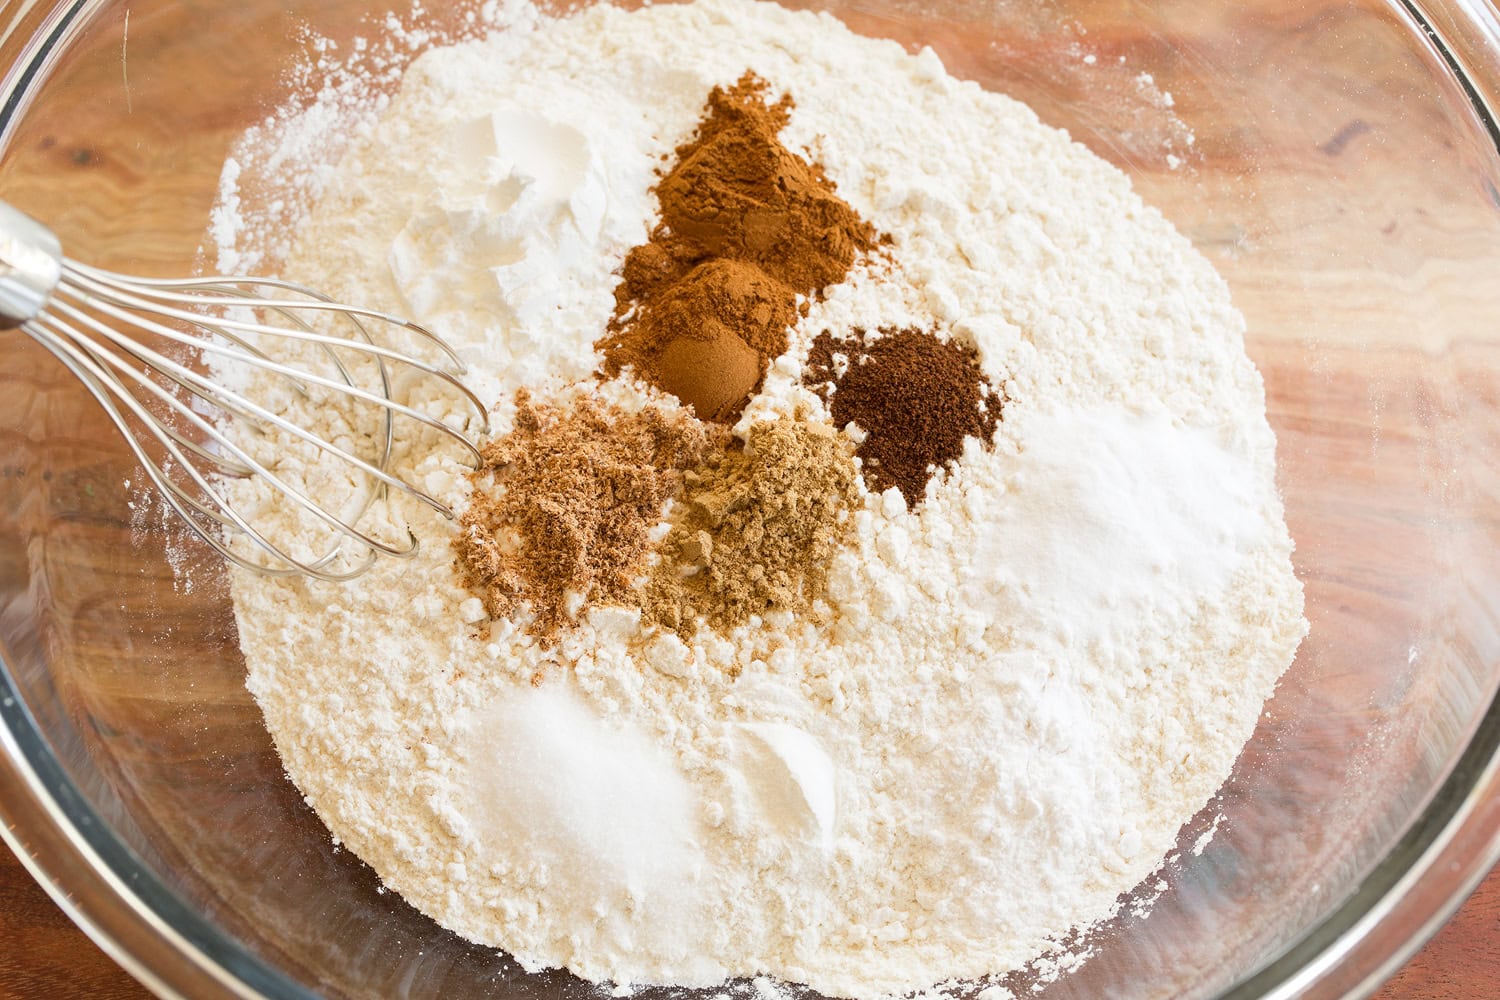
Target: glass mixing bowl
[[1336, 159]]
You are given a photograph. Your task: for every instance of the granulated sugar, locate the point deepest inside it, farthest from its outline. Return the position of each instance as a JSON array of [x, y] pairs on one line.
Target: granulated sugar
[[1017, 686]]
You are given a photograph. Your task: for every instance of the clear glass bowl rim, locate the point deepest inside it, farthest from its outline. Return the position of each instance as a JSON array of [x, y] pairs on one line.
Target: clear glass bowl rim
[[160, 940]]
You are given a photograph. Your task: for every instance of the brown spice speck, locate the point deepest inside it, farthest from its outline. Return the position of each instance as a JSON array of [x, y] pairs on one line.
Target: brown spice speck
[[758, 530], [746, 227], [563, 505], [915, 396]]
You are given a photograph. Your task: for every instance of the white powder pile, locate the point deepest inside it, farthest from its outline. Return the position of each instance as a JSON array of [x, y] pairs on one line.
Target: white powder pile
[[1021, 688]]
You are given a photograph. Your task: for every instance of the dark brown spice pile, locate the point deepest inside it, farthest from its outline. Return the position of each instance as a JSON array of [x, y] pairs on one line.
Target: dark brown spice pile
[[746, 226], [577, 487], [916, 398]]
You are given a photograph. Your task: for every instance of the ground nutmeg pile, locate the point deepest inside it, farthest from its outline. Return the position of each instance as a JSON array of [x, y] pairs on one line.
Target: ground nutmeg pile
[[563, 505]]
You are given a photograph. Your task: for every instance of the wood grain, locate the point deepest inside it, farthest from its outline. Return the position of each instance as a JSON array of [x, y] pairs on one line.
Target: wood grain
[[42, 953], [1332, 150], [44, 956]]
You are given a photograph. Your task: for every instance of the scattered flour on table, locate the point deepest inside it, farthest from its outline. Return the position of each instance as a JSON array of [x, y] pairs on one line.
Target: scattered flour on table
[[1022, 687]]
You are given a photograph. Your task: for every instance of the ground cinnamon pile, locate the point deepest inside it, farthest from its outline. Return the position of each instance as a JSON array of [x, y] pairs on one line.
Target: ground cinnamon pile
[[563, 505], [746, 227], [916, 398], [758, 530]]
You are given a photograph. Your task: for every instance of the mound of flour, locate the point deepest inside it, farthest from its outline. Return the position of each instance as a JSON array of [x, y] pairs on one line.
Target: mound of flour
[[1020, 689]]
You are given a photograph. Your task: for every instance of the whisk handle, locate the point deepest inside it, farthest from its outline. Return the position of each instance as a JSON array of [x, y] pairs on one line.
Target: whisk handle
[[30, 266]]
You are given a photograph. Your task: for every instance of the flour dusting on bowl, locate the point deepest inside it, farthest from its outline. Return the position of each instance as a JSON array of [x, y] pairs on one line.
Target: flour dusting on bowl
[[1012, 672]]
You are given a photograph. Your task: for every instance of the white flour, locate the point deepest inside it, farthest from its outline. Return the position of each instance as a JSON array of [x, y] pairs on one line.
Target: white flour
[[1028, 684]]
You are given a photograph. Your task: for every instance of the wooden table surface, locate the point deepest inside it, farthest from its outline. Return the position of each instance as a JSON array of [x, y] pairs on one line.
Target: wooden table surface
[[42, 955]]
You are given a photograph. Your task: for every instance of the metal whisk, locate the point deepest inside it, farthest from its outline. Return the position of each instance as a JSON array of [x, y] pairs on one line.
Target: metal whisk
[[176, 418]]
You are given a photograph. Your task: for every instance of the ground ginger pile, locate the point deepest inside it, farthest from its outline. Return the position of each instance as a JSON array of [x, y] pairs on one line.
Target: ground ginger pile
[[758, 529]]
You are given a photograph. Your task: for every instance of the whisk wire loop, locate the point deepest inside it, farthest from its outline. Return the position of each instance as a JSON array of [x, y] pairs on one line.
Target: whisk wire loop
[[106, 295], [241, 457], [314, 301], [107, 390], [179, 417], [115, 310], [231, 400]]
